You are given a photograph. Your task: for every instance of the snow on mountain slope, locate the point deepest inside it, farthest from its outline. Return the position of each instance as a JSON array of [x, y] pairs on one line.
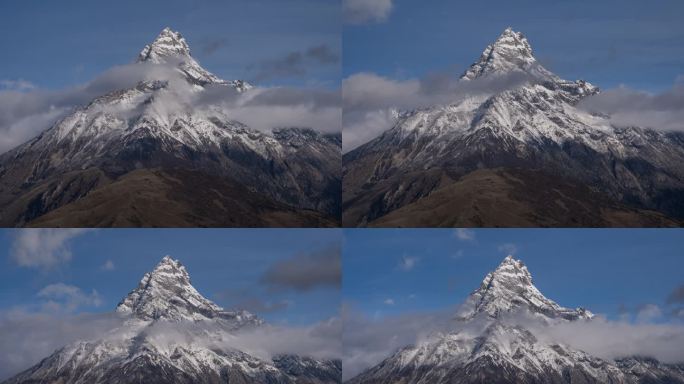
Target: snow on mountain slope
[[178, 116], [170, 46], [509, 288], [166, 294], [172, 334], [536, 124], [496, 343]]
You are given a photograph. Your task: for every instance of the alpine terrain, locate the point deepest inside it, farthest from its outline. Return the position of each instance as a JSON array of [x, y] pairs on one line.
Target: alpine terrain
[[148, 156], [152, 347], [528, 155], [494, 346]]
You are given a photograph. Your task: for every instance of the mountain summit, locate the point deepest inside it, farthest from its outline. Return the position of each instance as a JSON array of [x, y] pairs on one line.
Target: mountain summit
[[171, 48], [167, 294], [168, 44], [172, 334], [521, 151], [510, 52], [510, 349], [176, 128], [508, 289]]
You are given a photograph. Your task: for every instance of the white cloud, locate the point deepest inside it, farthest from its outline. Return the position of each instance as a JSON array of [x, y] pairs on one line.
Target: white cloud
[[616, 339], [366, 11], [29, 337], [508, 248], [365, 126], [371, 101], [464, 234], [43, 248], [368, 341], [107, 266], [24, 114], [627, 107], [648, 312], [17, 85], [408, 263], [62, 297], [389, 301]]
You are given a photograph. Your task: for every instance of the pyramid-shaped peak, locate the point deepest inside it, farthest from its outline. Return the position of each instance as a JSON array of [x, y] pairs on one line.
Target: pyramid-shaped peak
[[512, 45], [166, 293], [510, 288], [168, 44], [169, 262], [510, 52], [509, 33], [511, 266], [170, 268]]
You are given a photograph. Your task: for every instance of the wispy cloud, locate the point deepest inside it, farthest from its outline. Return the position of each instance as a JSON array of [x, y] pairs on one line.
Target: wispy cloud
[[304, 272], [408, 263], [249, 300], [43, 248], [648, 313], [389, 301], [107, 266], [296, 63], [62, 297], [508, 248], [366, 11], [29, 337], [25, 114], [626, 107], [676, 296], [17, 85], [464, 234], [368, 341], [210, 46], [372, 102]]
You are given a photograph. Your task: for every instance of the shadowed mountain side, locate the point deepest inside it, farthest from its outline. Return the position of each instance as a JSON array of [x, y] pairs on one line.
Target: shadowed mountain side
[[498, 197], [536, 125], [153, 198], [179, 116]]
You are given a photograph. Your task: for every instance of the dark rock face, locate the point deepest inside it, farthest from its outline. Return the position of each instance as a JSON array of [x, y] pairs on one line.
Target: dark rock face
[[535, 126], [133, 129]]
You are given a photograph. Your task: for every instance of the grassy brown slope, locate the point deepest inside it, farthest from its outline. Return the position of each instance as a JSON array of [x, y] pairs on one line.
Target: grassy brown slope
[[517, 198], [176, 198]]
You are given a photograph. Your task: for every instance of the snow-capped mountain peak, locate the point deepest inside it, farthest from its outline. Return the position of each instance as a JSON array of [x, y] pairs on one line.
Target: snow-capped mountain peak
[[505, 350], [170, 47], [509, 288], [169, 43], [167, 294], [510, 52], [145, 349]]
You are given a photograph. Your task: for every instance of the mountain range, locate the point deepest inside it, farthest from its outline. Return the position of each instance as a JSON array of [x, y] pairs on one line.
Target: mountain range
[[526, 156], [497, 340], [172, 334], [147, 156]]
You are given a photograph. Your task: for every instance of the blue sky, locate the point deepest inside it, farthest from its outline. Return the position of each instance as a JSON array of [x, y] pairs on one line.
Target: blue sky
[[226, 266], [607, 42], [604, 270], [54, 44]]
